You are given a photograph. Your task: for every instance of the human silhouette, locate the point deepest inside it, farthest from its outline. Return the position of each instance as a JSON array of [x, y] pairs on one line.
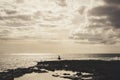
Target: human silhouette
[[59, 58]]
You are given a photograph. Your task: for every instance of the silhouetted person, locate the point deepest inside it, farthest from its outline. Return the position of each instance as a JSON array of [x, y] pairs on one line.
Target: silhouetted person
[[59, 58]]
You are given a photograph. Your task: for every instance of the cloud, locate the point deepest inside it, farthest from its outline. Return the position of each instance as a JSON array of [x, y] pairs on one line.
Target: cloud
[[61, 2], [111, 12], [44, 19], [103, 26], [20, 1], [21, 19], [39, 18], [96, 36], [4, 33], [115, 2]]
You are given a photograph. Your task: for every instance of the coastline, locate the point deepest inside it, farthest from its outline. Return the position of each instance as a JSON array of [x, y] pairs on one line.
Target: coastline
[[100, 70]]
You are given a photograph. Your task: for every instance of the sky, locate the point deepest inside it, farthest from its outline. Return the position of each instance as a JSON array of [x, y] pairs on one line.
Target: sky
[[59, 26]]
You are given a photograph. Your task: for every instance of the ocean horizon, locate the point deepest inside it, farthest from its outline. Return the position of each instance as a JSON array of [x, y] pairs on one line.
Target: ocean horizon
[[24, 61]]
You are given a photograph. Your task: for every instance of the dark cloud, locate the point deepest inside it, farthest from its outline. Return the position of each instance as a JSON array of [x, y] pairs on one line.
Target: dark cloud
[[61, 3], [10, 11], [4, 33], [82, 9], [96, 36], [13, 18], [21, 17], [116, 2], [20, 1], [103, 26], [111, 12], [14, 24]]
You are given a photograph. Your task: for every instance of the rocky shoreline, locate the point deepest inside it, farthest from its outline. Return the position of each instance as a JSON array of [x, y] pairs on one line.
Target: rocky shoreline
[[96, 69], [14, 73]]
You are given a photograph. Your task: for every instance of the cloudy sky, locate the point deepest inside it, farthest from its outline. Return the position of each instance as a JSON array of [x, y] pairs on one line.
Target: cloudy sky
[[59, 26]]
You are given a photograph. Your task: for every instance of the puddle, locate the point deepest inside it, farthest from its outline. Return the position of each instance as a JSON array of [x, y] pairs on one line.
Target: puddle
[[44, 76], [57, 75]]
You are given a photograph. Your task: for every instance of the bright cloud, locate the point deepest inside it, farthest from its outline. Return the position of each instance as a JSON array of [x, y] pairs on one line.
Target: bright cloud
[[21, 19], [55, 19]]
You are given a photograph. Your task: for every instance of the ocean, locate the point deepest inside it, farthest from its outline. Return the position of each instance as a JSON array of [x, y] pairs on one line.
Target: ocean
[[24, 61]]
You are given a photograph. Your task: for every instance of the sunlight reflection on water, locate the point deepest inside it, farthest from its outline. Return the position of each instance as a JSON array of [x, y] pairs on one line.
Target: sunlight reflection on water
[[15, 61]]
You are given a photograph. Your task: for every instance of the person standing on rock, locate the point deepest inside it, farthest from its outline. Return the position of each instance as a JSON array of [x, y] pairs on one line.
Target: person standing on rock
[[59, 58]]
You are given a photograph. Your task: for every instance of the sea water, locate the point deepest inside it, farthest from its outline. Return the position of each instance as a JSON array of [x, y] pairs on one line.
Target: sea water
[[24, 61]]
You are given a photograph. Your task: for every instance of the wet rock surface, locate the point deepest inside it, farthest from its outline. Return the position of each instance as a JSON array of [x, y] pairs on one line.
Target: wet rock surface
[[13, 73], [98, 69]]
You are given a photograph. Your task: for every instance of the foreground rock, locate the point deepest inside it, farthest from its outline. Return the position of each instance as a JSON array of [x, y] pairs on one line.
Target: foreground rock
[[101, 70], [85, 70], [13, 73]]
